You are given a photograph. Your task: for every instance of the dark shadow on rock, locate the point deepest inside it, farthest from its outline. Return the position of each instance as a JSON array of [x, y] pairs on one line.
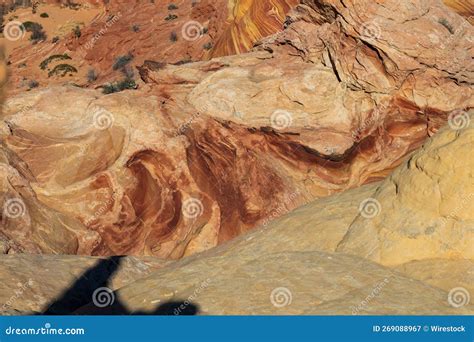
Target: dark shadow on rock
[[91, 295]]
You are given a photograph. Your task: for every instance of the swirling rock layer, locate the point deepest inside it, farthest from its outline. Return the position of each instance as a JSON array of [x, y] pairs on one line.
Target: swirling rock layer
[[426, 269], [207, 151], [169, 32]]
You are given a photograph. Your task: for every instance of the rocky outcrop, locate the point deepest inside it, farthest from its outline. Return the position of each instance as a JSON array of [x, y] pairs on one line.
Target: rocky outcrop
[[424, 210], [463, 7], [269, 164], [298, 258], [248, 22], [207, 151], [171, 32], [30, 284]]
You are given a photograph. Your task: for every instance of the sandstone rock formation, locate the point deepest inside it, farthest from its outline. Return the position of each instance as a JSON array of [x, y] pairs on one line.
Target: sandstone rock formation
[[314, 117], [208, 150], [298, 261], [296, 252], [165, 31], [29, 283]]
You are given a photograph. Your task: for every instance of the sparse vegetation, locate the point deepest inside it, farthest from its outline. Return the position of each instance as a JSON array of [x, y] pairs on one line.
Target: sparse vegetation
[[77, 32], [207, 46], [172, 7], [32, 84], [173, 37], [62, 70], [44, 15], [44, 64], [183, 61], [91, 75], [446, 24], [37, 33], [119, 86], [171, 17], [135, 28], [55, 40], [70, 4], [30, 26], [122, 61], [38, 36]]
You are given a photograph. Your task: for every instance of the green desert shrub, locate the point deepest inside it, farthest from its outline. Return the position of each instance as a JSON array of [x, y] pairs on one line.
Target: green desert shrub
[[30, 26], [44, 64], [446, 24], [32, 84], [62, 70], [122, 61], [91, 75], [37, 33], [119, 86], [171, 17], [77, 32]]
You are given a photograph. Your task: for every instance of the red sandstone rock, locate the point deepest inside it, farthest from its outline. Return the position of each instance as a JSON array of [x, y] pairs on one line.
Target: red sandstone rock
[[206, 151]]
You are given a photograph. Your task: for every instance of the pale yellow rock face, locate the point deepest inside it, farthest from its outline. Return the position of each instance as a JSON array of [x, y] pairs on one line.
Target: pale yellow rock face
[[30, 283], [282, 283], [442, 273], [314, 118], [425, 210], [431, 264]]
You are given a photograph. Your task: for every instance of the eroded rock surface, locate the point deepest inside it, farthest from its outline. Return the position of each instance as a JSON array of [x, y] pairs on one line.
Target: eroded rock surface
[[163, 31], [208, 150], [31, 283], [205, 152], [299, 255]]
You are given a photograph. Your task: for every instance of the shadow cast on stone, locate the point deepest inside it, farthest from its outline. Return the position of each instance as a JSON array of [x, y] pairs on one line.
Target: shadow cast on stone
[[91, 295]]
